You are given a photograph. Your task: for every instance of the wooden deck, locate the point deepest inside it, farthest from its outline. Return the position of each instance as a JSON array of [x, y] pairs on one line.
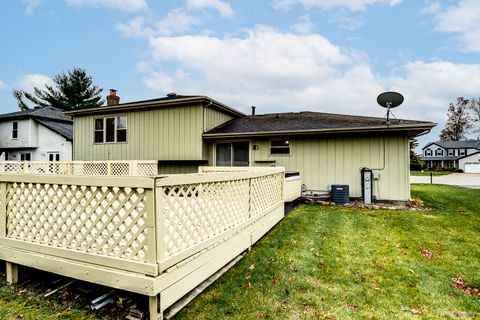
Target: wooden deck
[[158, 236]]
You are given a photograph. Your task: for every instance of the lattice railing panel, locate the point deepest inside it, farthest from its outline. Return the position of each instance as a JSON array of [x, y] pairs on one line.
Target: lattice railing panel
[[91, 168], [11, 167], [107, 221], [197, 212], [266, 191], [147, 169]]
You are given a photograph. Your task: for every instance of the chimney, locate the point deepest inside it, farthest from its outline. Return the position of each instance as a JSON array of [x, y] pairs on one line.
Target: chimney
[[253, 110], [112, 98], [171, 94]]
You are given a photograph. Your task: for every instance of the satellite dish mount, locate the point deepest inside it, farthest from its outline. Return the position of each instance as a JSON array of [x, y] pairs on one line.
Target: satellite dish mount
[[390, 100]]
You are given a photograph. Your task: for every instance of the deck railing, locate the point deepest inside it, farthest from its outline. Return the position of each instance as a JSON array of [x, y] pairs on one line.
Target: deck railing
[[139, 224], [86, 168]]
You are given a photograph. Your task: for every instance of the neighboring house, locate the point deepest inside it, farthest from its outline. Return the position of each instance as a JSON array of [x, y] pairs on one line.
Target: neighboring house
[[43, 134], [464, 155], [183, 132]]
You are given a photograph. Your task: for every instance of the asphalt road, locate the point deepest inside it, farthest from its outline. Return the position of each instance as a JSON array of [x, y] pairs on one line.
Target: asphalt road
[[468, 180]]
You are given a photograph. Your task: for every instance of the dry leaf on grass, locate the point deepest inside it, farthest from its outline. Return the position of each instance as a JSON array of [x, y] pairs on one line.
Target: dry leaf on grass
[[427, 253]]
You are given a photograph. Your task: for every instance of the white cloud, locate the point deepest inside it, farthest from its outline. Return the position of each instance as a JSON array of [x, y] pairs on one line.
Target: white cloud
[[291, 72], [176, 21], [354, 5], [28, 81], [30, 5], [303, 26], [134, 28], [342, 18], [2, 85], [462, 19], [222, 7], [127, 5]]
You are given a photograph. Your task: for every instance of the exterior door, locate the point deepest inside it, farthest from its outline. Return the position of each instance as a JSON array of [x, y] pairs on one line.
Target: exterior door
[[235, 154]]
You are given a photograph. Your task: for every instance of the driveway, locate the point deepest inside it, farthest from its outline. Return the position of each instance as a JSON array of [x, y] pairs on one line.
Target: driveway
[[468, 180]]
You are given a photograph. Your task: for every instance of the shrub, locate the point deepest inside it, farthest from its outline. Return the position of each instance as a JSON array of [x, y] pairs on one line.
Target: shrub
[[415, 167], [458, 170]]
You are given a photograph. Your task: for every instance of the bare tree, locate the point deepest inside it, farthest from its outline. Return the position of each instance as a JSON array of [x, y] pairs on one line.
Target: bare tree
[[459, 121], [474, 108]]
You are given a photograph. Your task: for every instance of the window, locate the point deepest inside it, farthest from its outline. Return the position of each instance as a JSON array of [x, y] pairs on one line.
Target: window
[[53, 156], [280, 147], [451, 152], [25, 156], [428, 153], [232, 154], [439, 152], [113, 129], [14, 130]]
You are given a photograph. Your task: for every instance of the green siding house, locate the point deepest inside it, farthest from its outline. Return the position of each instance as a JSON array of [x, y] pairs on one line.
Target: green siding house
[[183, 132]]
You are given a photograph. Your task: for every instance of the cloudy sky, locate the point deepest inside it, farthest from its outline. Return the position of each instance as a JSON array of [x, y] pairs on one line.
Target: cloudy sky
[[279, 55]]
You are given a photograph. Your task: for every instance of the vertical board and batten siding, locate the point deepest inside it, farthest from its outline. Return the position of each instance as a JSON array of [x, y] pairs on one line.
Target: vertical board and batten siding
[[325, 161], [214, 118], [152, 134]]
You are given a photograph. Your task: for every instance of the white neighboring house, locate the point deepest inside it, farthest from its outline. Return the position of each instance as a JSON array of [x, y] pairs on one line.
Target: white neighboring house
[[40, 134], [464, 155]]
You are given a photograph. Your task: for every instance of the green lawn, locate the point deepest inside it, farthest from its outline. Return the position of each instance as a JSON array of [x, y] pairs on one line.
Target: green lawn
[[337, 263], [427, 173]]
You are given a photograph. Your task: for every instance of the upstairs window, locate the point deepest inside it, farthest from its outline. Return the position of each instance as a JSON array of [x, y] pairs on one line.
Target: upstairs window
[[451, 152], [280, 147], [428, 153], [462, 152], [439, 152], [14, 130], [110, 130]]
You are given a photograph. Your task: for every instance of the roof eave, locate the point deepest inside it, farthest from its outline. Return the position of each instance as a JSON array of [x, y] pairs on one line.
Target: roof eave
[[412, 131], [152, 104]]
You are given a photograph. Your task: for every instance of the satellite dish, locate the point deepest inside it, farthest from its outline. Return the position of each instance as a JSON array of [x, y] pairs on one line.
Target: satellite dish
[[390, 100]]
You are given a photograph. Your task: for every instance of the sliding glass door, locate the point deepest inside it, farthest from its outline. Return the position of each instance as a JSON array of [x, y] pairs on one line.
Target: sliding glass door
[[232, 154]]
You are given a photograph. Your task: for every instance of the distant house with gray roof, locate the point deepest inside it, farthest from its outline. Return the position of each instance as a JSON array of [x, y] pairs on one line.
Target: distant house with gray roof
[[464, 155], [42, 134]]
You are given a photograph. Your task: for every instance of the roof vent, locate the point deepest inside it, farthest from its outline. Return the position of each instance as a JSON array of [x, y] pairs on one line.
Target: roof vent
[[171, 94]]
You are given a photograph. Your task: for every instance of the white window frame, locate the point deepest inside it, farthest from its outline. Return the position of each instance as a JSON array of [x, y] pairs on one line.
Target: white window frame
[[23, 156], [115, 129], [55, 154]]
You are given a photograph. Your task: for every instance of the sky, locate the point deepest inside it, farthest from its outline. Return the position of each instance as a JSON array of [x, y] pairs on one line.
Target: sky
[[279, 55]]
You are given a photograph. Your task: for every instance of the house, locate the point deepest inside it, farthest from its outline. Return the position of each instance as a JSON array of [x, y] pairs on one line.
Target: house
[[183, 132], [464, 155], [42, 134]]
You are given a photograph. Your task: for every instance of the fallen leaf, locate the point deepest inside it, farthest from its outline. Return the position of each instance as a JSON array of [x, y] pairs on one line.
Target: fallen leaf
[[252, 266], [274, 281], [375, 287], [415, 311], [247, 276], [248, 284], [427, 253], [352, 306], [460, 284]]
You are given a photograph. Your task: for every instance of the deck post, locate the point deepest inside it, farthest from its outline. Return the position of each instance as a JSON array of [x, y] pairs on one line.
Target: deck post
[[154, 308], [12, 273]]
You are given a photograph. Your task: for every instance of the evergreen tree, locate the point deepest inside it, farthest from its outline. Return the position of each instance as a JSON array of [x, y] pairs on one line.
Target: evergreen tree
[[72, 91], [459, 121]]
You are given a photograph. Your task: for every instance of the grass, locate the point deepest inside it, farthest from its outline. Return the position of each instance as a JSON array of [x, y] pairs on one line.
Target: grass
[[335, 263], [427, 173]]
